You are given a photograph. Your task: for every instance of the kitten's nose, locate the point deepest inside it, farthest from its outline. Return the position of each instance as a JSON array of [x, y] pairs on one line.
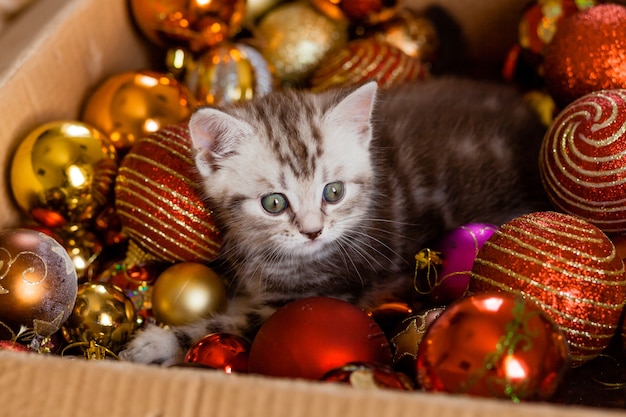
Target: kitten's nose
[[312, 235]]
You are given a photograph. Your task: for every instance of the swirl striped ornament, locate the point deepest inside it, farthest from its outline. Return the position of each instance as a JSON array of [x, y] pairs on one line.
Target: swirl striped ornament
[[564, 264], [583, 159], [158, 201], [367, 59]]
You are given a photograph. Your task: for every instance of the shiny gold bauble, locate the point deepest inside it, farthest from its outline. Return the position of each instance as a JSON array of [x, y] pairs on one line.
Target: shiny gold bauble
[[37, 283], [186, 292], [197, 24], [297, 37], [63, 172], [103, 314], [133, 104], [228, 73]]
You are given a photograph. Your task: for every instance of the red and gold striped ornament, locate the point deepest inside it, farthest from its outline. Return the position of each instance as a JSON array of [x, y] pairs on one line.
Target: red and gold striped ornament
[[159, 203], [583, 159], [567, 266], [367, 59]]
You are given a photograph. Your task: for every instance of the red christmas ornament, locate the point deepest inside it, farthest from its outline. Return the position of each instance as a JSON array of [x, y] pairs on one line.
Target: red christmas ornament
[[583, 157], [13, 346], [369, 375], [362, 60], [309, 337], [364, 11], [565, 265], [587, 53], [159, 203], [540, 21], [493, 345], [220, 351]]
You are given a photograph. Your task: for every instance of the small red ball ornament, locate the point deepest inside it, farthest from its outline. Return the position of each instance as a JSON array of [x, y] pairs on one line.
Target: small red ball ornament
[[564, 264], [223, 351], [493, 345], [309, 337], [159, 203], [583, 156], [587, 53]]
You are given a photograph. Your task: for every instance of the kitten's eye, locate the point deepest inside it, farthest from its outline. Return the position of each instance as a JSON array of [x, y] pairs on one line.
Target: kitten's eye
[[274, 203], [333, 192]]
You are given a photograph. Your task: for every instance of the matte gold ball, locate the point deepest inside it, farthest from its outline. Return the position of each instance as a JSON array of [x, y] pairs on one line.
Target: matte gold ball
[[297, 37], [186, 292]]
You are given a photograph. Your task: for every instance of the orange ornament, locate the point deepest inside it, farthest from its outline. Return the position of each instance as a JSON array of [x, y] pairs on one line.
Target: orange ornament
[[564, 264], [587, 53], [159, 203], [367, 59], [197, 24]]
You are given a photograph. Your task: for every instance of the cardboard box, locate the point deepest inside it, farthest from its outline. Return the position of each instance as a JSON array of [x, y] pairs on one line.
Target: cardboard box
[[50, 58]]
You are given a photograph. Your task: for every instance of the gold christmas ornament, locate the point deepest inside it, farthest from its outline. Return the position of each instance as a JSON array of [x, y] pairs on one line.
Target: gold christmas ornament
[[297, 37], [133, 104], [198, 24], [103, 314], [255, 9], [186, 292], [63, 172], [228, 73]]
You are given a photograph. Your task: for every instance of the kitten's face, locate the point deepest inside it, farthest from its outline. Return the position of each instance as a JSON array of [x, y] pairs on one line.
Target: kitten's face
[[291, 175]]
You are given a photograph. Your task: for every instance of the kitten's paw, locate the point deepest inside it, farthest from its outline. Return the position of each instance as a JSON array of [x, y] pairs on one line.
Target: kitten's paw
[[154, 345]]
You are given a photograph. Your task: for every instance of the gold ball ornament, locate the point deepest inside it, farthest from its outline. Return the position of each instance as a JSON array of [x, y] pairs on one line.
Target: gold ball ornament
[[103, 314], [566, 266], [63, 172], [38, 283], [297, 37], [228, 73], [362, 60], [198, 24], [186, 292], [133, 104]]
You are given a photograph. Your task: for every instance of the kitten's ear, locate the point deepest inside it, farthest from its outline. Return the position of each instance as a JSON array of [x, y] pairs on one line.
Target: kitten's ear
[[215, 135], [354, 112]]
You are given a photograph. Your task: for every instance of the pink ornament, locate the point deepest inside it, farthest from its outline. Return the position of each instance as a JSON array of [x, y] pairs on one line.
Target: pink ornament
[[459, 248]]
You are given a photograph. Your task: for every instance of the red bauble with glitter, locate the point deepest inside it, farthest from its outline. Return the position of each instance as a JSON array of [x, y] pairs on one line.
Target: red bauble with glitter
[[583, 157], [158, 201], [567, 266], [368, 59], [309, 337], [224, 351], [493, 345], [587, 53]]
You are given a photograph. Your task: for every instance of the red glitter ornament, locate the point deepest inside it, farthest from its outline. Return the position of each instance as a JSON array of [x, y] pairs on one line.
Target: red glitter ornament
[[493, 345], [367, 59], [583, 159], [587, 53], [223, 351], [309, 337], [565, 265], [159, 203]]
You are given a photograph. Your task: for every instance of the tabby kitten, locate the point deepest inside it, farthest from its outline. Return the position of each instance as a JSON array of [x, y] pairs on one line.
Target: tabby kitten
[[332, 194]]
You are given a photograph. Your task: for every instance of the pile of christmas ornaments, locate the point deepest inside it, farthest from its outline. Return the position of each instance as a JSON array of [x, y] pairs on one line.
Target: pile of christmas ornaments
[[119, 234]]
